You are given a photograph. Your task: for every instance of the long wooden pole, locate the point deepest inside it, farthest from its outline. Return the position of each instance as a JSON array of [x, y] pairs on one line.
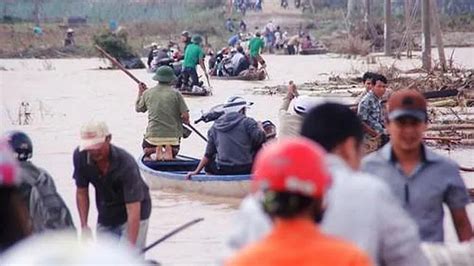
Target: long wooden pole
[[387, 27], [172, 233], [426, 35], [438, 34], [117, 64]]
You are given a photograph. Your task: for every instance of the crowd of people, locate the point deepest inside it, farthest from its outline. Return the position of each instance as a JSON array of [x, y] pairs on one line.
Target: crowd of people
[[243, 6], [314, 200], [234, 60], [183, 61]]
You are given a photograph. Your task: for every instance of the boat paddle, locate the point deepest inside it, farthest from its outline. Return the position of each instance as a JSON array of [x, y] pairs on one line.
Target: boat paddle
[[172, 233], [266, 72], [208, 83], [121, 67], [195, 130]]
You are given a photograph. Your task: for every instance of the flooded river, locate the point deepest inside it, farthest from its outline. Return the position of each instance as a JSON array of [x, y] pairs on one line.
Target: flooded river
[[64, 93]]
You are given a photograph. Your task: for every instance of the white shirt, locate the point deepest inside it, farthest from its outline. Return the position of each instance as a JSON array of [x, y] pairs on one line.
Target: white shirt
[[361, 209], [236, 59]]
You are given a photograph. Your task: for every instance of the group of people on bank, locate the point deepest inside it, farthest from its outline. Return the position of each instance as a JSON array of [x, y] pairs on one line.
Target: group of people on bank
[[384, 209], [314, 200]]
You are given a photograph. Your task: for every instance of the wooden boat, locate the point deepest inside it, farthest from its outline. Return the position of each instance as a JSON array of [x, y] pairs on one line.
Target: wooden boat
[[204, 92], [172, 174], [315, 50], [260, 75]]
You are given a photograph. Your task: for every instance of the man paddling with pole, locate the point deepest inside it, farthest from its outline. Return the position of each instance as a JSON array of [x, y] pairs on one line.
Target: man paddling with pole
[[165, 127], [167, 112]]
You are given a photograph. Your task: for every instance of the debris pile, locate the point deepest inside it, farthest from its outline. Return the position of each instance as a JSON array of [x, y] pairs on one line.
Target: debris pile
[[335, 86], [450, 98], [115, 43]]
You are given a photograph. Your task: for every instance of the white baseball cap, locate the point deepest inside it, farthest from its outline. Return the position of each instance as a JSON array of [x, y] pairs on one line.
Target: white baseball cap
[[93, 133], [302, 104], [235, 104]]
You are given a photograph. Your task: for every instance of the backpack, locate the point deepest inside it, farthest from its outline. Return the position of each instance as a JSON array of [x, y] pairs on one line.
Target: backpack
[[47, 209]]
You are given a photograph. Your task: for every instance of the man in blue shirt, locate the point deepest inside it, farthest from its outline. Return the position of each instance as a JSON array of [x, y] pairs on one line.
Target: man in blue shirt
[[234, 40], [421, 179]]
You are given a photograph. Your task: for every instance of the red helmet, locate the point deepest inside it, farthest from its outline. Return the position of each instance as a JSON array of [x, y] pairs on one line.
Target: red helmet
[[292, 165]]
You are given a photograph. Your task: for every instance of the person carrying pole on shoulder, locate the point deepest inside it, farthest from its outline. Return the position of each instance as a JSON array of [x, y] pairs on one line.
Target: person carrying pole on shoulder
[[193, 56], [167, 111]]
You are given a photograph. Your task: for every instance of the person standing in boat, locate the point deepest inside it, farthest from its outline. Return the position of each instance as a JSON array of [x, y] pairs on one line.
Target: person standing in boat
[[293, 44], [256, 46], [122, 197], [167, 111], [233, 141], [193, 56]]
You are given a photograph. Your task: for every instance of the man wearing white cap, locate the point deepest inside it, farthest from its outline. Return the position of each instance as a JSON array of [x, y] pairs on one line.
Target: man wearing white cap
[[69, 39], [122, 197], [153, 48], [233, 141], [292, 112]]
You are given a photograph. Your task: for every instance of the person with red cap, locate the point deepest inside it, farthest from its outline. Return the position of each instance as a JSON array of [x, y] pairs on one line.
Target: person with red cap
[[293, 179], [14, 221], [421, 179]]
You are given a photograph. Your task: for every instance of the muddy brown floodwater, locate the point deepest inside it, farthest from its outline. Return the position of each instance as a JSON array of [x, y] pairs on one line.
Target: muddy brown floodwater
[[64, 93]]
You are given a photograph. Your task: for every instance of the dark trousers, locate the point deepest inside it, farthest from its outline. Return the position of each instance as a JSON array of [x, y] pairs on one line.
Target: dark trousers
[[213, 168], [291, 49], [188, 72], [255, 60], [243, 65]]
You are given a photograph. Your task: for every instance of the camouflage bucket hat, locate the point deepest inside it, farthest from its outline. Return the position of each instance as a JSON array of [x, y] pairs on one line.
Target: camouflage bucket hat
[[197, 39], [164, 74]]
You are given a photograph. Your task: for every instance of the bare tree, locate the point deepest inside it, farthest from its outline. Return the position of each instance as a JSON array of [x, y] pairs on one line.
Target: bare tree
[[38, 5]]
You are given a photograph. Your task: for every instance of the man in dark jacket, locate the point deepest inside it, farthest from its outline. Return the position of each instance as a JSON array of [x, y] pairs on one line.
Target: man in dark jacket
[[47, 209], [233, 141], [151, 53]]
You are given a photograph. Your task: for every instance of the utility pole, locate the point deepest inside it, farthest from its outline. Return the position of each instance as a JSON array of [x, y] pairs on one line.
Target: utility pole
[[36, 11], [438, 34], [426, 35], [408, 24], [352, 14], [229, 8], [367, 6], [387, 27]]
